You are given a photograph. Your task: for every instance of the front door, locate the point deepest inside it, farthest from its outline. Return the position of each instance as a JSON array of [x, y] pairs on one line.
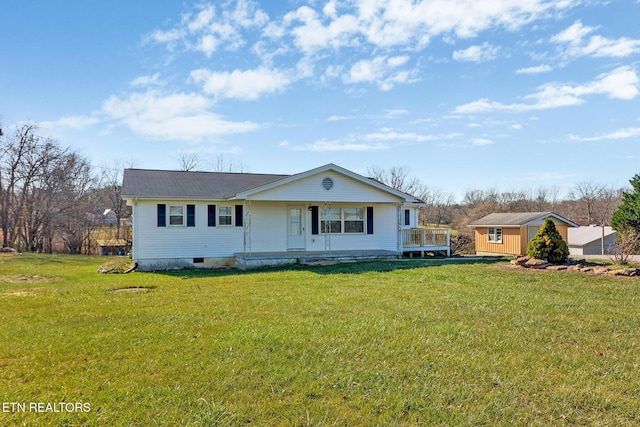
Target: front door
[[295, 219]]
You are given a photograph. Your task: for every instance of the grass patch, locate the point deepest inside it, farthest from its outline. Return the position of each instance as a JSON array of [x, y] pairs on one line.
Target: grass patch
[[393, 343]]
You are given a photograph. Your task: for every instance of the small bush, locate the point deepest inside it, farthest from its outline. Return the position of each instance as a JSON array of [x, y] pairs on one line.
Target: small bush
[[116, 266], [548, 244]]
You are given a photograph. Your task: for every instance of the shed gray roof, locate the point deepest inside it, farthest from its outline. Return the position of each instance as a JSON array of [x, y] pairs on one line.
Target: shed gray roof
[[178, 184], [516, 219]]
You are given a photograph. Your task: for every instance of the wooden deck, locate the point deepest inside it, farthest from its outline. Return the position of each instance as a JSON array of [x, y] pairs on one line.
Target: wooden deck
[[425, 240]]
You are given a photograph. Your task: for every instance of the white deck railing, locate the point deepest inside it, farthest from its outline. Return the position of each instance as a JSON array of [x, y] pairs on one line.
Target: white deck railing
[[425, 237]]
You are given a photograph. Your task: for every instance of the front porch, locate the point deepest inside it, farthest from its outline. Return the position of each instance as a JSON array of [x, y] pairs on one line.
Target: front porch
[[246, 260], [425, 240]]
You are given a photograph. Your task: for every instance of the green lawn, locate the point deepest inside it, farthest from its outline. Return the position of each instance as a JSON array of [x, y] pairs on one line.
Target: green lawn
[[403, 343]]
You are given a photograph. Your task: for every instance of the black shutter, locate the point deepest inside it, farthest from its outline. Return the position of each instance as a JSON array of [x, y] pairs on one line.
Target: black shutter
[[211, 215], [314, 220], [369, 219], [239, 216], [162, 215], [191, 215]]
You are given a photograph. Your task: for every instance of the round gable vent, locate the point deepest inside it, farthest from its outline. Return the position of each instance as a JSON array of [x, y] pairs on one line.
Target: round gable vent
[[327, 183]]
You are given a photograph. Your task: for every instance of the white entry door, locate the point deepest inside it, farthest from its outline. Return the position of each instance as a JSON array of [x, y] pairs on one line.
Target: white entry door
[[295, 219]]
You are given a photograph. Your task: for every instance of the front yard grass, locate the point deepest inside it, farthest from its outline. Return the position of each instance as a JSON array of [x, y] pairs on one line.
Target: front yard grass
[[404, 343]]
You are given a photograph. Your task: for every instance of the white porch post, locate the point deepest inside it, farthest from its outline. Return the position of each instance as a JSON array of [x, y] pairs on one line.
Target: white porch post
[[247, 226], [399, 221]]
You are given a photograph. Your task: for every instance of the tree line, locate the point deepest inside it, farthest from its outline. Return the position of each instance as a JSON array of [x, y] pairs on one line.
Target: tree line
[[51, 198], [585, 203]]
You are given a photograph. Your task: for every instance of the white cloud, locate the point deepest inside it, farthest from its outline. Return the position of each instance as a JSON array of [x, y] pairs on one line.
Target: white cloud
[[389, 135], [619, 134], [176, 116], [245, 85], [153, 80], [576, 43], [207, 29], [69, 122], [482, 53], [481, 141], [621, 83], [534, 70], [311, 34], [338, 145], [380, 70]]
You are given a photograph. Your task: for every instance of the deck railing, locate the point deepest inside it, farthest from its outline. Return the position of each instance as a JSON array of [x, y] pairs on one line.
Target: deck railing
[[425, 237]]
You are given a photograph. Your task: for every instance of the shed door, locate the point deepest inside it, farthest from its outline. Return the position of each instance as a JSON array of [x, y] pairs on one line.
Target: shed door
[[531, 232], [295, 228]]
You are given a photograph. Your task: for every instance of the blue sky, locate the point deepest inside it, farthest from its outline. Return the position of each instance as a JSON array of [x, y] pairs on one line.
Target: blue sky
[[485, 94]]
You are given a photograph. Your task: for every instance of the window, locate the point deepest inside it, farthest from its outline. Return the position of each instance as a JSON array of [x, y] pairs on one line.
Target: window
[[495, 235], [225, 215], [407, 217], [330, 221], [176, 215], [345, 220], [353, 220]]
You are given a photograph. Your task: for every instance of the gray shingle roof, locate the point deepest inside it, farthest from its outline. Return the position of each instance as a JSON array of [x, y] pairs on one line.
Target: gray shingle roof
[[514, 219], [213, 185]]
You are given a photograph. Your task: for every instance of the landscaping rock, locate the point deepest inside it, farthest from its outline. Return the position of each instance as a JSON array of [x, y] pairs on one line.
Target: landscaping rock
[[600, 270], [535, 263], [520, 260], [626, 272]]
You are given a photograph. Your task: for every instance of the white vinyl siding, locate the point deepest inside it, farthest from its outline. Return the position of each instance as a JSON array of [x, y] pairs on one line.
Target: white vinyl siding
[[310, 189]]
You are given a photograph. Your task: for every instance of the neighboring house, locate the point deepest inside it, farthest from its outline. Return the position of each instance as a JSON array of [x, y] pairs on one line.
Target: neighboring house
[[216, 219], [509, 233], [109, 216], [588, 240]]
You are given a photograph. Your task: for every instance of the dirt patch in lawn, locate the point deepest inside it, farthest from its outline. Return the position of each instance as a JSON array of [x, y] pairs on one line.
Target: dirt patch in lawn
[[134, 289], [26, 279]]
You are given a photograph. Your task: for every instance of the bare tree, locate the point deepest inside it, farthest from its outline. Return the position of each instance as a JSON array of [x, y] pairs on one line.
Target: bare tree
[[587, 193], [189, 161], [40, 181], [222, 164], [399, 178], [111, 183]]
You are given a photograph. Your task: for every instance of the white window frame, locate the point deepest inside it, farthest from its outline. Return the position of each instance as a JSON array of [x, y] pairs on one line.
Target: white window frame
[[220, 216], [360, 220], [494, 234], [341, 220], [181, 215], [324, 220]]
